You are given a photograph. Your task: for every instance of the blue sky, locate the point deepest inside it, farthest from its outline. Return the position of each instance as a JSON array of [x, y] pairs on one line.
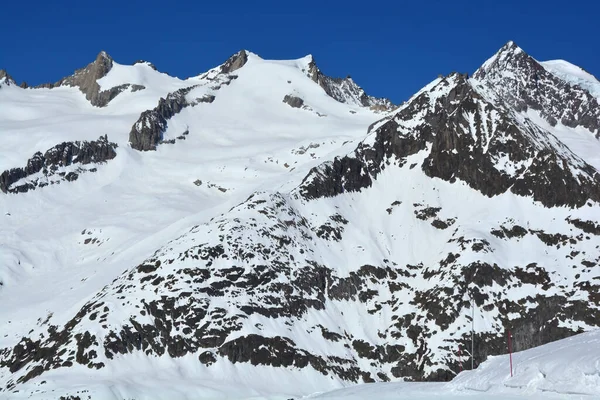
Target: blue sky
[[391, 48]]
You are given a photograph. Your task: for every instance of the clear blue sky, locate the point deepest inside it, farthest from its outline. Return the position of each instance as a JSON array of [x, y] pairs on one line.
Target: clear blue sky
[[391, 48]]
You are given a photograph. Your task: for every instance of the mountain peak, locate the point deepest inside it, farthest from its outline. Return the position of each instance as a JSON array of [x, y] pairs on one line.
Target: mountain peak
[[525, 84], [102, 56], [235, 62], [6, 78], [507, 53]]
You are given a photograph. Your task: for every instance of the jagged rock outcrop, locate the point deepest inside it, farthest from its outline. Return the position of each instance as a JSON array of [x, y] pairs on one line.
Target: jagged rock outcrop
[[86, 80], [150, 127], [49, 168], [235, 62], [6, 78], [468, 139], [147, 132], [345, 90], [522, 82], [293, 101]]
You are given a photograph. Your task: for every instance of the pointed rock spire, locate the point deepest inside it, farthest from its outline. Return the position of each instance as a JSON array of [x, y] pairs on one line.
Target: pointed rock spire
[[523, 84], [510, 55], [235, 62], [86, 80]]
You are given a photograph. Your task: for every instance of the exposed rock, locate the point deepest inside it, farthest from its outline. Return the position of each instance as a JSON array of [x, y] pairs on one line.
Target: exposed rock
[[235, 62], [52, 162], [524, 83], [293, 101], [345, 90], [6, 78], [455, 154], [148, 131], [150, 127], [86, 80]]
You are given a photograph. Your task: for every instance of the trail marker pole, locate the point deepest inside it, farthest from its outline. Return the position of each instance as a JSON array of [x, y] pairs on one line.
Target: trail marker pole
[[510, 352], [460, 358], [472, 333]]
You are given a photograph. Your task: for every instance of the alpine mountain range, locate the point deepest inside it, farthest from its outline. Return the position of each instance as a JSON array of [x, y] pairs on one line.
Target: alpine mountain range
[[263, 221]]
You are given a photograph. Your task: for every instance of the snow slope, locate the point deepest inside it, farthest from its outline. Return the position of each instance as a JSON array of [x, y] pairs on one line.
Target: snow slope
[[574, 75], [568, 367], [565, 369]]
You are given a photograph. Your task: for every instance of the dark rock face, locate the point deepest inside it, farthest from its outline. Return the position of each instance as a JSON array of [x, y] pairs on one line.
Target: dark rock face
[[345, 90], [150, 127], [465, 145], [524, 83], [147, 132], [86, 80], [53, 160], [235, 62], [293, 101]]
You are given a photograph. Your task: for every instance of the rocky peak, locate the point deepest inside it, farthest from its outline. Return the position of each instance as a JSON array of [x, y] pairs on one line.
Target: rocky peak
[[464, 136], [6, 78], [235, 62], [523, 83], [344, 90], [508, 54], [86, 80]]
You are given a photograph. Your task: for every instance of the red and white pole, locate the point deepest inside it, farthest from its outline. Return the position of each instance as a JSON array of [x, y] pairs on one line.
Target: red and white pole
[[460, 358], [510, 352]]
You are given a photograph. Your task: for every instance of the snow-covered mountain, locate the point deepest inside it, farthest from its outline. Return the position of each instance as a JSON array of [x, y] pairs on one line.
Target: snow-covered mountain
[[264, 224]]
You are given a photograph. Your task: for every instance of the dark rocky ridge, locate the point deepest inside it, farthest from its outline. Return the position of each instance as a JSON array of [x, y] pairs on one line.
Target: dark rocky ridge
[[51, 162], [345, 89], [148, 131], [524, 83], [459, 151]]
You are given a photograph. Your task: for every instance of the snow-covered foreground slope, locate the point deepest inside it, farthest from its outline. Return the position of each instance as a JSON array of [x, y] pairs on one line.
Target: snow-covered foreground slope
[[569, 366], [565, 369], [260, 231]]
